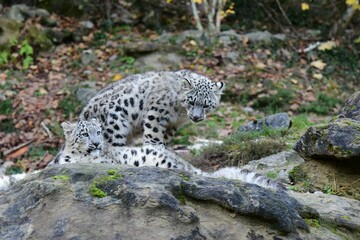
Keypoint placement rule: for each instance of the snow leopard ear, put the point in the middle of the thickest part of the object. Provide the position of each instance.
(68, 127)
(218, 87)
(186, 84)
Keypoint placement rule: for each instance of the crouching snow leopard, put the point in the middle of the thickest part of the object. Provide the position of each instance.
(154, 103)
(84, 144)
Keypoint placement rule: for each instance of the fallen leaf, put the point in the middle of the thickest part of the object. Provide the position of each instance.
(327, 45)
(260, 65)
(294, 81)
(18, 153)
(305, 6)
(317, 76)
(319, 64)
(117, 77)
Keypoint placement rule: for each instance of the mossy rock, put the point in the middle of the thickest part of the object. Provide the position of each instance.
(39, 38)
(351, 107)
(9, 31)
(339, 140)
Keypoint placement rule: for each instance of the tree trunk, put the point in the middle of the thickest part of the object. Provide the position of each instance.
(340, 26)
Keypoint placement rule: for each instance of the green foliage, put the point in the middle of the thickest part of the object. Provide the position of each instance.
(40, 150)
(4, 57)
(70, 105)
(6, 107)
(100, 38)
(7, 126)
(14, 169)
(272, 174)
(275, 103)
(24, 50)
(240, 148)
(323, 105)
(126, 62)
(328, 190)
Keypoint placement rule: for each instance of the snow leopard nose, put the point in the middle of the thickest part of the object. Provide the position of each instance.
(196, 118)
(96, 144)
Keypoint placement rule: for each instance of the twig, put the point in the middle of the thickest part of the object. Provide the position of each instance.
(7, 152)
(46, 129)
(286, 18)
(310, 47)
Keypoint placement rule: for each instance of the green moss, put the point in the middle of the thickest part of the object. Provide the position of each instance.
(297, 174)
(179, 194)
(61, 177)
(346, 217)
(272, 174)
(313, 222)
(96, 186)
(111, 171)
(184, 177)
(96, 192)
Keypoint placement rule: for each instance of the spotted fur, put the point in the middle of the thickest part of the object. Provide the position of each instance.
(79, 148)
(154, 103)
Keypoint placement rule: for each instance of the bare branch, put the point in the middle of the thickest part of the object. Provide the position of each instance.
(196, 16)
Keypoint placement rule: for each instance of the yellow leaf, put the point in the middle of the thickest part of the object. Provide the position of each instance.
(327, 45)
(260, 65)
(117, 77)
(305, 6)
(317, 76)
(198, 1)
(192, 42)
(319, 64)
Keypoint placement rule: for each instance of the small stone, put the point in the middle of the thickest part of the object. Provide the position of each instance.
(87, 24)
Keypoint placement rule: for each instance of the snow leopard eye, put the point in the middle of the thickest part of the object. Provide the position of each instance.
(85, 134)
(98, 132)
(192, 103)
(206, 106)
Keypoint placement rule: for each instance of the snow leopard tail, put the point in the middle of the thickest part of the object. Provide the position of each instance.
(246, 176)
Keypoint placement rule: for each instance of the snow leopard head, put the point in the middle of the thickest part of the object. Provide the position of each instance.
(84, 137)
(201, 95)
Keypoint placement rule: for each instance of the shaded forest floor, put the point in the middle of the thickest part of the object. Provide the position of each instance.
(263, 79)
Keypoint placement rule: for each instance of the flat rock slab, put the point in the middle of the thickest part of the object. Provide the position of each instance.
(138, 202)
(337, 212)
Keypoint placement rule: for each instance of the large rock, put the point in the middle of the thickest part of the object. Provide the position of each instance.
(9, 31)
(158, 61)
(351, 107)
(119, 202)
(339, 139)
(335, 213)
(275, 121)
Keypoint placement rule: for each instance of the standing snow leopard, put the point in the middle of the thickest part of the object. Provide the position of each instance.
(84, 144)
(155, 103)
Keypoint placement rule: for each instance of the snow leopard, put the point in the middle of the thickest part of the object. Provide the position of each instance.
(84, 144)
(154, 103)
